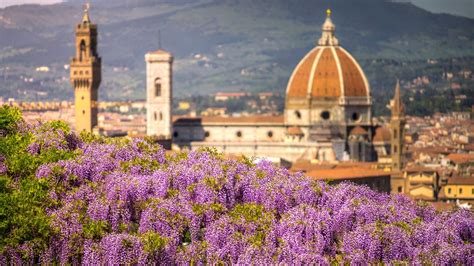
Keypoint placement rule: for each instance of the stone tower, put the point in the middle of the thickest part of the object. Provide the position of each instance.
(397, 125)
(86, 74)
(159, 77)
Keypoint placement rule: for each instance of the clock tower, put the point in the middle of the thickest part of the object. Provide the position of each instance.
(86, 74)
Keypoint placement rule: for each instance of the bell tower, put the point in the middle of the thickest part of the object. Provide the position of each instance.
(397, 125)
(86, 74)
(159, 94)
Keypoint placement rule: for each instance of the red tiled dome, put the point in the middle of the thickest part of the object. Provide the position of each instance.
(328, 71)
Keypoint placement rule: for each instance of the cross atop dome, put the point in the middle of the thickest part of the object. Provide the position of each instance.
(327, 37)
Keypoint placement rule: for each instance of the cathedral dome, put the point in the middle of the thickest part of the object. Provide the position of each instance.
(328, 71)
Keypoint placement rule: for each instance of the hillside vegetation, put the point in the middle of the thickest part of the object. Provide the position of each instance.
(241, 44)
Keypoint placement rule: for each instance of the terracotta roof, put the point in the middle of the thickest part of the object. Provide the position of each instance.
(230, 120)
(346, 173)
(382, 134)
(419, 168)
(295, 131)
(461, 158)
(328, 72)
(358, 130)
(306, 166)
(460, 180)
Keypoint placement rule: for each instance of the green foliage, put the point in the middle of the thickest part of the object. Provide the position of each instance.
(22, 213)
(96, 229)
(251, 212)
(10, 117)
(23, 197)
(58, 125)
(153, 242)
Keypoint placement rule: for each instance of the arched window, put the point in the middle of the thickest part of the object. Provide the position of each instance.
(155, 116)
(161, 116)
(82, 50)
(157, 87)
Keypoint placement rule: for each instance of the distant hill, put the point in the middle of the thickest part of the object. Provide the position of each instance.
(227, 44)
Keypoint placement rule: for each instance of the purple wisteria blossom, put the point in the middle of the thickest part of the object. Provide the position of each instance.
(127, 203)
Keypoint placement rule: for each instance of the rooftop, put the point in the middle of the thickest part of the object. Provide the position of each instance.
(347, 173)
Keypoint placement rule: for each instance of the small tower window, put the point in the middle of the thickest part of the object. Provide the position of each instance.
(239, 134)
(325, 115)
(449, 190)
(83, 112)
(175, 134)
(155, 116)
(395, 134)
(161, 116)
(400, 189)
(460, 191)
(298, 114)
(207, 134)
(157, 87)
(270, 134)
(355, 117)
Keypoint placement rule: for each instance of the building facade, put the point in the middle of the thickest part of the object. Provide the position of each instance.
(327, 114)
(86, 74)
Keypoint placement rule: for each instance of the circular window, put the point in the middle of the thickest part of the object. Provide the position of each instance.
(355, 117)
(325, 115)
(270, 134)
(239, 134)
(207, 134)
(175, 134)
(298, 114)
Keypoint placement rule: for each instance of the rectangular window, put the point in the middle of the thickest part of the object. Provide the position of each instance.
(460, 191)
(395, 135)
(400, 189)
(158, 90)
(449, 190)
(157, 87)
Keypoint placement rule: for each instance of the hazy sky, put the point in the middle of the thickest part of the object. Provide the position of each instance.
(457, 7)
